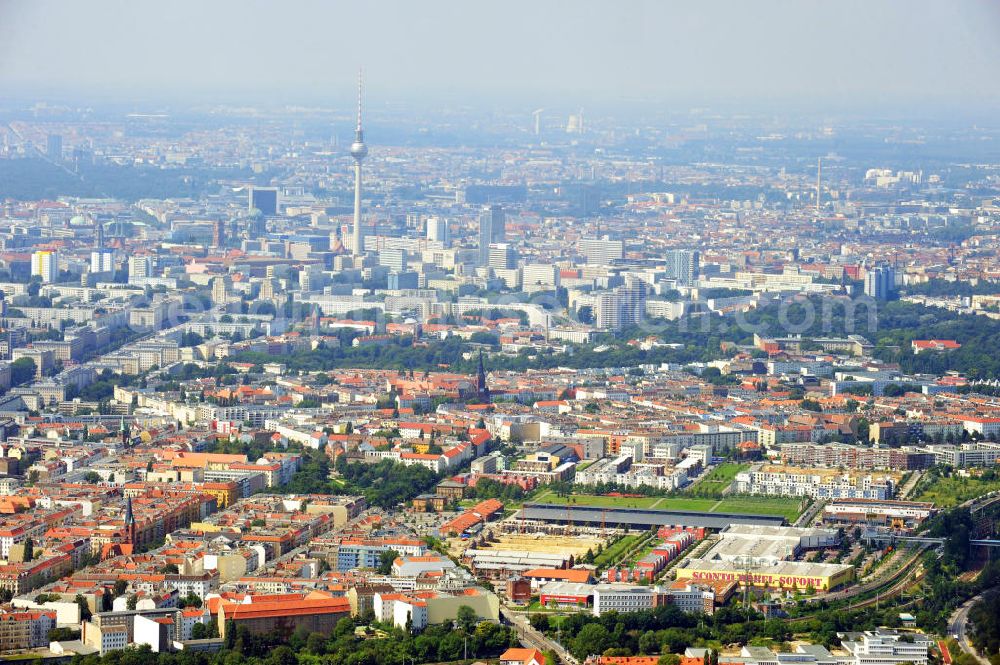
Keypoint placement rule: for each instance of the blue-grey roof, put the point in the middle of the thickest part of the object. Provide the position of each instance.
(641, 517)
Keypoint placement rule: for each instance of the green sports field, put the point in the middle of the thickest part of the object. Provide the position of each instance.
(787, 507)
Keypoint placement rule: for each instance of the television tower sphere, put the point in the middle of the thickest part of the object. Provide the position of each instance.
(359, 150)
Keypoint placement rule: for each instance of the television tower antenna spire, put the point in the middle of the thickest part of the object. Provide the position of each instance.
(358, 151)
(358, 131)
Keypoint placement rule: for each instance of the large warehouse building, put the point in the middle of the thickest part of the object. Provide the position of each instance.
(769, 544)
(764, 556)
(898, 514)
(640, 518)
(780, 575)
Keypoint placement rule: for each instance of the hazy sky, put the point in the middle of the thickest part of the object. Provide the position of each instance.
(946, 51)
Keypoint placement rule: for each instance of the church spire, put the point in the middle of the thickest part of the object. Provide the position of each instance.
(129, 522)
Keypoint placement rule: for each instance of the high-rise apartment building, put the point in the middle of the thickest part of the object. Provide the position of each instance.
(45, 264)
(437, 230)
(502, 256)
(683, 266)
(221, 287)
(600, 251)
(392, 258)
(880, 282)
(311, 277)
(102, 260)
(621, 307)
(492, 229)
(268, 289)
(540, 274)
(139, 268)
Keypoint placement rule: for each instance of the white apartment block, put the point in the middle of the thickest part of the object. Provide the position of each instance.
(624, 598)
(814, 485)
(621, 471)
(886, 647)
(873, 647)
(637, 598)
(988, 427)
(984, 453)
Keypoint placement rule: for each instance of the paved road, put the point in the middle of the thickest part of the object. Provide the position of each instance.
(806, 518)
(532, 638)
(957, 625)
(911, 483)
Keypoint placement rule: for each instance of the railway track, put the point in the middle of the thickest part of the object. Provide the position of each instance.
(902, 580)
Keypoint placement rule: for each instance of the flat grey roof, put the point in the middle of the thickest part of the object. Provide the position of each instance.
(641, 517)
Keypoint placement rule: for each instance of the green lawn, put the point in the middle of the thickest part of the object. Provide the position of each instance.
(686, 503)
(553, 613)
(787, 507)
(717, 480)
(613, 552)
(596, 500)
(556, 620)
(947, 492)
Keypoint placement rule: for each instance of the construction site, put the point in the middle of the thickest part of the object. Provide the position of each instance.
(504, 550)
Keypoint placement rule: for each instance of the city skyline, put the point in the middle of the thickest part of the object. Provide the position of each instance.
(565, 333)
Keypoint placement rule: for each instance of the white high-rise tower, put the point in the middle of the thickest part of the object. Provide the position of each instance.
(358, 151)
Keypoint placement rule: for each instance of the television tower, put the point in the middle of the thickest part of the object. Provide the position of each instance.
(819, 188)
(538, 121)
(358, 151)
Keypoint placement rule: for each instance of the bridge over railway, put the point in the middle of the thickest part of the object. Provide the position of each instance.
(978, 508)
